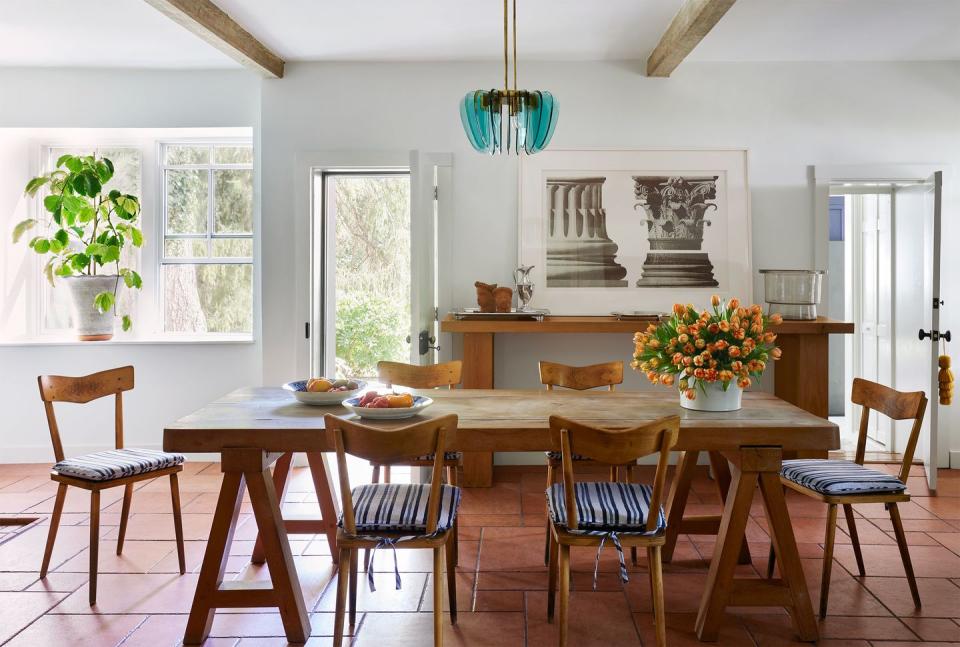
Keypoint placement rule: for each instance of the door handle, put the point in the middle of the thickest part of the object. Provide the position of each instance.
(426, 341)
(934, 335)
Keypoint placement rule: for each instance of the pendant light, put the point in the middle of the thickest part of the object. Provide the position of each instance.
(530, 115)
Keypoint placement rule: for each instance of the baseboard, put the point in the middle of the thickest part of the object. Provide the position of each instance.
(44, 453)
(954, 462)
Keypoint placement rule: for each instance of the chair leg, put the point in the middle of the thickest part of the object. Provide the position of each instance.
(656, 585)
(375, 477)
(453, 480)
(124, 514)
(386, 473)
(564, 567)
(854, 538)
(831, 533)
(552, 569)
(771, 561)
(452, 579)
(904, 552)
(343, 579)
(546, 540)
(94, 543)
(438, 596)
(354, 576)
(177, 521)
(54, 525)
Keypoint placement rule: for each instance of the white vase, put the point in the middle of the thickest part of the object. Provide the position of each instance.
(712, 397)
(88, 322)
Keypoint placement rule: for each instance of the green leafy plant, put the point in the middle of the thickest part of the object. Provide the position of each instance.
(87, 229)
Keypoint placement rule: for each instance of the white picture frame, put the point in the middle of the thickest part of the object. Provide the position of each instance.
(615, 231)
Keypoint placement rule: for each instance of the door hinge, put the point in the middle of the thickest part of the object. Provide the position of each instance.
(436, 193)
(436, 314)
(306, 330)
(937, 302)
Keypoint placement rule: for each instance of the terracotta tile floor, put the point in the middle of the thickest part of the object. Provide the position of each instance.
(501, 580)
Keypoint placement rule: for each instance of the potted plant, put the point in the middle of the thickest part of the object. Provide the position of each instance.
(83, 237)
(710, 356)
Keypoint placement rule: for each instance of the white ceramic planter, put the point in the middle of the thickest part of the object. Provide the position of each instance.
(712, 397)
(88, 323)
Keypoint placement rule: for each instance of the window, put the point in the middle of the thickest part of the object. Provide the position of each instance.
(128, 178)
(206, 261)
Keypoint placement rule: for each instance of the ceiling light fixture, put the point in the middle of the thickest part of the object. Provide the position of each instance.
(531, 115)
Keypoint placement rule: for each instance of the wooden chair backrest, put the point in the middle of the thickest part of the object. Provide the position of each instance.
(581, 378)
(429, 376)
(386, 446)
(614, 447)
(80, 390)
(896, 405)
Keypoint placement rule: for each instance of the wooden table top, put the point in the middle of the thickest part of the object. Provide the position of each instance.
(501, 420)
(608, 324)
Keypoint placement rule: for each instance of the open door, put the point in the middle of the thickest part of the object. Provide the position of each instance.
(429, 176)
(917, 306)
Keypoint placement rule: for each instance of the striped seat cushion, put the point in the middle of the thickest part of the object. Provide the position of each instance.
(447, 456)
(556, 456)
(606, 506)
(839, 477)
(401, 507)
(116, 463)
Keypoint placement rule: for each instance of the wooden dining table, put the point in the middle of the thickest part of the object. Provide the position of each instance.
(252, 427)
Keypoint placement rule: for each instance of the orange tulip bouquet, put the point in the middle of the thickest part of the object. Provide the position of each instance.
(711, 356)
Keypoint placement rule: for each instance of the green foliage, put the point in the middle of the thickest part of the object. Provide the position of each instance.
(367, 331)
(373, 272)
(87, 230)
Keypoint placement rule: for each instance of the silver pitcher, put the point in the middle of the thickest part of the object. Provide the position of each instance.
(521, 277)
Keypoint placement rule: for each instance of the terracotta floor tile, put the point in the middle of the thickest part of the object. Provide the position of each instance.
(848, 596)
(940, 597)
(160, 526)
(167, 631)
(25, 551)
(680, 631)
(931, 629)
(928, 561)
(59, 582)
(386, 598)
(908, 510)
(83, 631)
(943, 507)
(916, 525)
(949, 539)
(499, 499)
(490, 520)
(14, 502)
(137, 557)
(512, 549)
(78, 500)
(512, 580)
(849, 627)
(682, 594)
(778, 631)
(416, 629)
(315, 574)
(134, 593)
(601, 618)
(17, 610)
(16, 581)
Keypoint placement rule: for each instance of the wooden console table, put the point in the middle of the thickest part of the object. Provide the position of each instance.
(800, 377)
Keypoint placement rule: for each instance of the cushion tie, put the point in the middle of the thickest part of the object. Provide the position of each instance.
(384, 542)
(623, 564)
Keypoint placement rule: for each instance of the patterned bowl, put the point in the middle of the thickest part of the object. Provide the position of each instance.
(420, 402)
(322, 398)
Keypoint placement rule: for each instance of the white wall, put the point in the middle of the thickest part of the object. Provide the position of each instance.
(172, 379)
(790, 116)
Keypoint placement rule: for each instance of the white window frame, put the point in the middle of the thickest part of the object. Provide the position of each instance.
(210, 236)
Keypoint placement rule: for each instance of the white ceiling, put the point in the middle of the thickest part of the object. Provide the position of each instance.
(130, 33)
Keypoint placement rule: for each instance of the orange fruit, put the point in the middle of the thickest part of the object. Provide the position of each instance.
(400, 401)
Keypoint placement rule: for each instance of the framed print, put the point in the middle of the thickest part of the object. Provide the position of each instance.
(634, 230)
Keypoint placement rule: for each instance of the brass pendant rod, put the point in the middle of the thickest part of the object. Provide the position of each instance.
(514, 45)
(506, 83)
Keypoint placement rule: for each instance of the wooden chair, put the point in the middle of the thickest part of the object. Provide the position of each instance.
(580, 378)
(843, 483)
(430, 376)
(363, 518)
(639, 529)
(103, 470)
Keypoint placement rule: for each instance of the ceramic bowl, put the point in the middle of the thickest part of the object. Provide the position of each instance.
(322, 398)
(420, 403)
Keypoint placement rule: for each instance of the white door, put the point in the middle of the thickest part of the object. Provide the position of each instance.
(428, 180)
(917, 308)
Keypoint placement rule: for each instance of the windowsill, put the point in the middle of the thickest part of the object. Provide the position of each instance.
(121, 340)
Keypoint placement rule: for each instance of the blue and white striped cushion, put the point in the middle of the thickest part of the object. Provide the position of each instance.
(447, 456)
(606, 506)
(116, 463)
(840, 477)
(401, 507)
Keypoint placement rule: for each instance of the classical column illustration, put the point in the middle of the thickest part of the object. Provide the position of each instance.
(579, 251)
(675, 208)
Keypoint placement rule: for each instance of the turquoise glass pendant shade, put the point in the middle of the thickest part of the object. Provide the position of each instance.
(529, 130)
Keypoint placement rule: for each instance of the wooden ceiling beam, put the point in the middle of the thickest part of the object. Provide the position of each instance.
(212, 24)
(694, 21)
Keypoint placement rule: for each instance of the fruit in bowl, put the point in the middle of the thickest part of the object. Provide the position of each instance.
(324, 385)
(374, 400)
